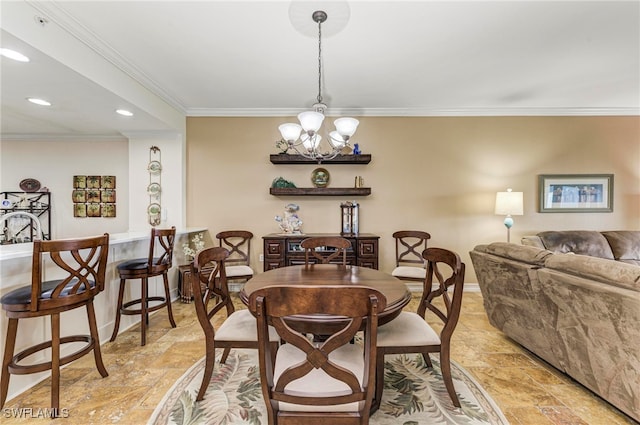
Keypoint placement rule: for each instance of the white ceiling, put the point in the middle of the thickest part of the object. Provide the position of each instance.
(240, 58)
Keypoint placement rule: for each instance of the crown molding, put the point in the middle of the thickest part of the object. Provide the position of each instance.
(61, 137)
(416, 112)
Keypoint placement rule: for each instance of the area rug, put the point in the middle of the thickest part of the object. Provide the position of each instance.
(413, 394)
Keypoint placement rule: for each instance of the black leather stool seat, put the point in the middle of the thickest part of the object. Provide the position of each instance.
(17, 298)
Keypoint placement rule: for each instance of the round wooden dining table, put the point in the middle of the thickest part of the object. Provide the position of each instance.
(396, 292)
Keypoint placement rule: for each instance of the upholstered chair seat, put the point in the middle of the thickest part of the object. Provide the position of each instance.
(408, 328)
(409, 273)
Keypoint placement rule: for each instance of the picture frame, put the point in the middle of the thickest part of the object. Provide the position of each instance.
(575, 193)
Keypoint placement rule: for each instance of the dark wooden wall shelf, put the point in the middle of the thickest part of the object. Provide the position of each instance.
(320, 191)
(285, 158)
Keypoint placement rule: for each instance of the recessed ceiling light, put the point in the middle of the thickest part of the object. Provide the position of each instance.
(37, 101)
(124, 112)
(12, 54)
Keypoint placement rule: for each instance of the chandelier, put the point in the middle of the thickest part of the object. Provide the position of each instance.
(303, 138)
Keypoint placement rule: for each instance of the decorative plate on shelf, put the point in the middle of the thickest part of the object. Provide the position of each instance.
(154, 167)
(154, 189)
(30, 185)
(154, 209)
(320, 177)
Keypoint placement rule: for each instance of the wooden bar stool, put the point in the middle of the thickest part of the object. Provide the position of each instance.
(85, 264)
(143, 269)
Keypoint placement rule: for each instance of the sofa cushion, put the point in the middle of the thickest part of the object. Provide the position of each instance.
(625, 244)
(526, 254)
(583, 242)
(599, 269)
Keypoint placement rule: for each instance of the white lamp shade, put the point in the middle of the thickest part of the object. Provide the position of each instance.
(346, 126)
(509, 203)
(310, 120)
(336, 139)
(290, 131)
(310, 143)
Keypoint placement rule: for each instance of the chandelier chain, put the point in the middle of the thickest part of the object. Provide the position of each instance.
(319, 98)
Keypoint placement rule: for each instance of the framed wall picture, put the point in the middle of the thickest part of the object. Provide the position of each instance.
(576, 192)
(79, 196)
(80, 182)
(80, 210)
(93, 182)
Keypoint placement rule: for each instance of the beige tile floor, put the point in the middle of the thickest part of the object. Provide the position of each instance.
(528, 391)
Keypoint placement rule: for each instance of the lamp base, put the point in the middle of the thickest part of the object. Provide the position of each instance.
(508, 223)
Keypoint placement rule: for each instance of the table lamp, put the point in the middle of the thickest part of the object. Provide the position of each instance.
(509, 203)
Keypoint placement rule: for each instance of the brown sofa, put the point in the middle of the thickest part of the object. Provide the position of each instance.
(573, 299)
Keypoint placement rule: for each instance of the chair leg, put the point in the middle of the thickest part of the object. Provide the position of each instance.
(116, 327)
(144, 314)
(427, 360)
(93, 329)
(55, 363)
(445, 367)
(225, 354)
(208, 369)
(167, 297)
(379, 381)
(12, 331)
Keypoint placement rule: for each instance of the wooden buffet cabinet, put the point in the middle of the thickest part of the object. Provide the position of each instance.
(281, 250)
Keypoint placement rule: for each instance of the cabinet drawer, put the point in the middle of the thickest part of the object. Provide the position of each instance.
(273, 249)
(367, 248)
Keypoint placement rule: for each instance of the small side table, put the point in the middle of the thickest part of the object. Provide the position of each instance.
(185, 288)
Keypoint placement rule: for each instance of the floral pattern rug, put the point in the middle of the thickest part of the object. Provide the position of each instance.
(413, 394)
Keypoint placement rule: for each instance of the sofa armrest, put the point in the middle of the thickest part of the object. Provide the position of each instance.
(523, 253)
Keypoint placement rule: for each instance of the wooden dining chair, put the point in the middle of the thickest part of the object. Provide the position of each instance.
(410, 333)
(82, 264)
(329, 382)
(211, 295)
(325, 249)
(155, 264)
(238, 243)
(409, 262)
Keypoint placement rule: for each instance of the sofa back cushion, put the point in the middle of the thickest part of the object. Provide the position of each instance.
(583, 242)
(625, 244)
(597, 269)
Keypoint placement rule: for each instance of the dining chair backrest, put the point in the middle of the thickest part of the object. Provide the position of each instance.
(162, 241)
(409, 247)
(450, 287)
(238, 243)
(325, 249)
(312, 380)
(210, 289)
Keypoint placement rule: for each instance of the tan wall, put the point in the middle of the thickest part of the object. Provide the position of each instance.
(434, 174)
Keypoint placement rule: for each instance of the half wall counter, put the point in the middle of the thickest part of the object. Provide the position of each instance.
(15, 271)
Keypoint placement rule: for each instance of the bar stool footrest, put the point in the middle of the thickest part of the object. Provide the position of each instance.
(16, 369)
(128, 311)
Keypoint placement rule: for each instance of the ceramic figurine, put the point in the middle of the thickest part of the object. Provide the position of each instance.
(291, 223)
(356, 149)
